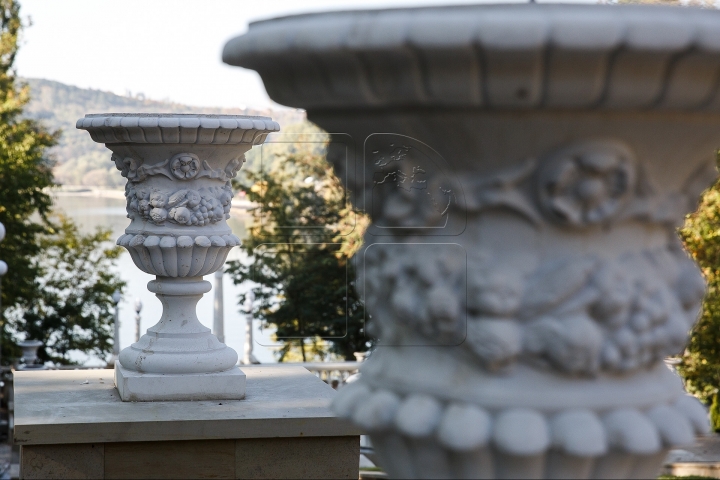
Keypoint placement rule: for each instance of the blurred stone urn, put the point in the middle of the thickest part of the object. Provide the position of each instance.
(525, 168)
(29, 360)
(178, 170)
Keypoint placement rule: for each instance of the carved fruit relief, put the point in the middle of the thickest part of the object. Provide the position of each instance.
(200, 207)
(578, 315)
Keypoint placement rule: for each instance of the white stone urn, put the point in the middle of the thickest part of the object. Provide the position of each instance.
(525, 168)
(178, 170)
(29, 355)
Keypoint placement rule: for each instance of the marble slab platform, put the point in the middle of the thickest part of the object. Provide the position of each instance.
(73, 424)
(83, 406)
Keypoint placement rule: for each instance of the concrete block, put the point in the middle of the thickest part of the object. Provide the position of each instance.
(315, 457)
(76, 461)
(170, 460)
(143, 387)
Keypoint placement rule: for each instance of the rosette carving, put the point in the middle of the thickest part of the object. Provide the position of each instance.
(587, 184)
(185, 166)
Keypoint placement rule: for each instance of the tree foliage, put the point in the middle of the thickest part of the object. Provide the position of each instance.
(56, 288)
(700, 365)
(299, 249)
(24, 172)
(72, 308)
(80, 161)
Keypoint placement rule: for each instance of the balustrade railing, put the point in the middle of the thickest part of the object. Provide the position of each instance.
(335, 374)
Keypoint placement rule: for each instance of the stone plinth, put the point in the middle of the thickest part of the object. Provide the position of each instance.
(73, 424)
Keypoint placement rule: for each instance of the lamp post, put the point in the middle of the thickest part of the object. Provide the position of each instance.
(138, 309)
(248, 357)
(3, 271)
(116, 297)
(219, 320)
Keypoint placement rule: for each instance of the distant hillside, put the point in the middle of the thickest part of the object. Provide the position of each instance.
(80, 161)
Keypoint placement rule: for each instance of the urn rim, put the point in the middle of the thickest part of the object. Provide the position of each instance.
(177, 128)
(490, 57)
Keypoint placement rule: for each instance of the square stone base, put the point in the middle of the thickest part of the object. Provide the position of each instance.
(148, 387)
(284, 428)
(254, 458)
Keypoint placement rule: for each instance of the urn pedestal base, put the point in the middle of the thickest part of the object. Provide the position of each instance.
(147, 387)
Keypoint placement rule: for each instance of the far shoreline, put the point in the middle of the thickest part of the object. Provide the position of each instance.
(240, 207)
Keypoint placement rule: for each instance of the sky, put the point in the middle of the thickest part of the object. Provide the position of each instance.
(164, 49)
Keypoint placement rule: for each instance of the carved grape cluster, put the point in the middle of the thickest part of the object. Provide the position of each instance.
(184, 207)
(435, 316)
(578, 315)
(613, 315)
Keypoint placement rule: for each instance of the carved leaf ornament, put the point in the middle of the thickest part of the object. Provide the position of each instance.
(183, 166)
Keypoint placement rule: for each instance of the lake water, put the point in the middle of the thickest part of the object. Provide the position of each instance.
(91, 211)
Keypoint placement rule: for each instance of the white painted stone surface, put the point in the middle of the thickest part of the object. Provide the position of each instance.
(83, 406)
(525, 168)
(143, 387)
(178, 194)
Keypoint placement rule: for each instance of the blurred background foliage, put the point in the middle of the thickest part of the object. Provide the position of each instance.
(300, 245)
(700, 364)
(59, 283)
(79, 160)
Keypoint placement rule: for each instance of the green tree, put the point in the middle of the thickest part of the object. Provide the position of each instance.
(700, 366)
(40, 250)
(72, 307)
(299, 250)
(24, 172)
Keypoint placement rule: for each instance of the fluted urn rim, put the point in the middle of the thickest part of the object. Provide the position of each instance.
(525, 56)
(175, 128)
